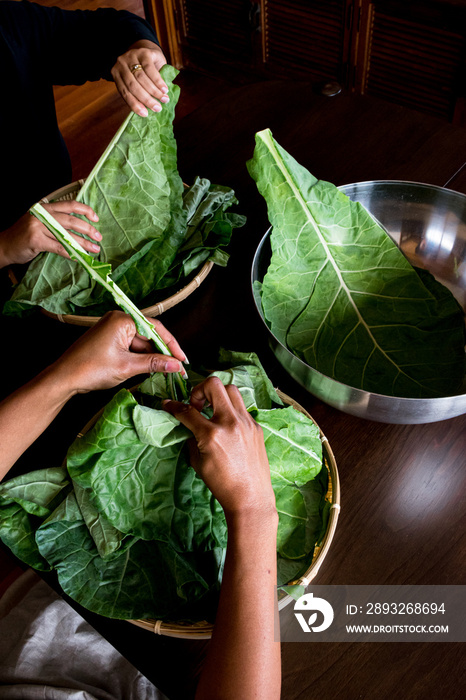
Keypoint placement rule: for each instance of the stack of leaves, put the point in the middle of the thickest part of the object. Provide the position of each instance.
(341, 295)
(130, 528)
(155, 231)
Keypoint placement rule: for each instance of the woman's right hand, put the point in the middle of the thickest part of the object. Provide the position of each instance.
(28, 236)
(228, 452)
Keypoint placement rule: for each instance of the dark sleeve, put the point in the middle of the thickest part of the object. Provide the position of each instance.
(73, 46)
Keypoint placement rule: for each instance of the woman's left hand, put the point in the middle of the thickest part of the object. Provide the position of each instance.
(111, 352)
(137, 76)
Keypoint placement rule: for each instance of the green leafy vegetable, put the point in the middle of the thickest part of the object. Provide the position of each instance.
(25, 502)
(144, 490)
(155, 233)
(143, 580)
(264, 391)
(341, 295)
(209, 229)
(130, 528)
(106, 537)
(290, 432)
(137, 191)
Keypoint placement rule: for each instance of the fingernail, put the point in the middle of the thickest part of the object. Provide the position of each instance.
(95, 247)
(165, 89)
(165, 401)
(186, 361)
(143, 112)
(156, 108)
(165, 99)
(172, 366)
(98, 235)
(95, 217)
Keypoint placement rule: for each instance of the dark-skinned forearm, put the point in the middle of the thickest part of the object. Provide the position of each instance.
(26, 413)
(244, 657)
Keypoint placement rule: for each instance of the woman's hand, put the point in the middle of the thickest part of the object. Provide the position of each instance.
(28, 237)
(103, 357)
(111, 352)
(228, 452)
(137, 77)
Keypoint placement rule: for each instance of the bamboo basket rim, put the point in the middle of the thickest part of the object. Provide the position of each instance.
(204, 629)
(68, 192)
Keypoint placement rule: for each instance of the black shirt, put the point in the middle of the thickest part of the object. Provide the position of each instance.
(41, 47)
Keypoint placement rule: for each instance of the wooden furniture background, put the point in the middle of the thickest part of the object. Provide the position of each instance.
(410, 52)
(403, 487)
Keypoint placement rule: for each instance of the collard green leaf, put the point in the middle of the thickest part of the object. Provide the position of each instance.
(25, 502)
(292, 521)
(36, 492)
(146, 491)
(137, 191)
(264, 391)
(293, 445)
(154, 386)
(294, 591)
(146, 579)
(209, 229)
(107, 538)
(158, 428)
(240, 377)
(341, 295)
(294, 451)
(291, 562)
(149, 492)
(17, 531)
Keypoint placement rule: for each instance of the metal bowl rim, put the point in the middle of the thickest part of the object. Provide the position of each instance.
(404, 182)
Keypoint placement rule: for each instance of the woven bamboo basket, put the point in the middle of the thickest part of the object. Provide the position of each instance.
(69, 192)
(203, 629)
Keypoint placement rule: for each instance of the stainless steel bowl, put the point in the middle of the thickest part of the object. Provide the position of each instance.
(428, 223)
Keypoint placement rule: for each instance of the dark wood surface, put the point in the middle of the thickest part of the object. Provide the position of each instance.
(402, 486)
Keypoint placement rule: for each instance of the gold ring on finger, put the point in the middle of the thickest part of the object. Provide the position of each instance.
(136, 67)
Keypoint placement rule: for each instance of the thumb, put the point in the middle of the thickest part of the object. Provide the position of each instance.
(147, 363)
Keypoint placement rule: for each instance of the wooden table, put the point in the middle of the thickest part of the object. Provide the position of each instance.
(403, 486)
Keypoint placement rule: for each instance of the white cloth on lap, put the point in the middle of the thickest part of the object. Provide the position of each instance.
(49, 652)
